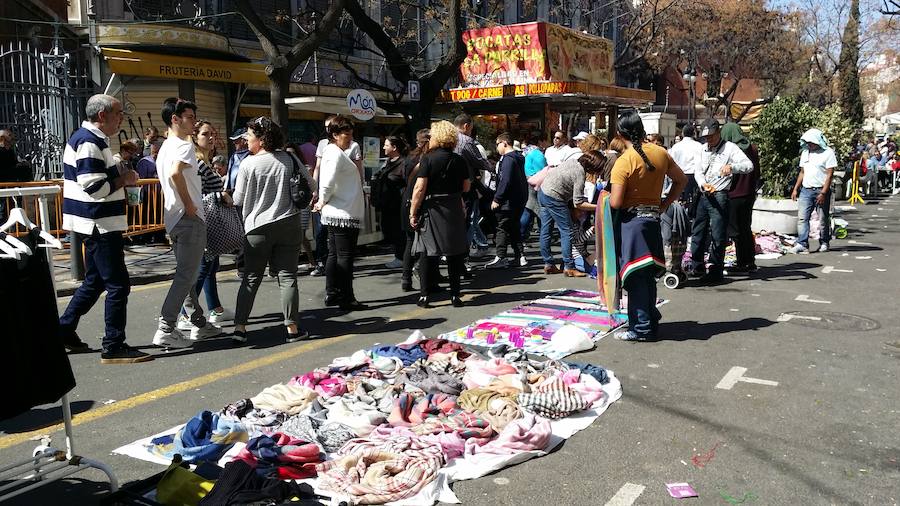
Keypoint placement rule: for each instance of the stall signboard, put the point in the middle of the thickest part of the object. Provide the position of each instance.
(529, 53)
(362, 104)
(371, 151)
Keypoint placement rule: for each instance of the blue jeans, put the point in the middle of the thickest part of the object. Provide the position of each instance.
(473, 232)
(206, 282)
(643, 317)
(525, 224)
(555, 211)
(807, 203)
(710, 228)
(104, 258)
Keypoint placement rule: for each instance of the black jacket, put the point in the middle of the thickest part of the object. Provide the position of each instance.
(512, 186)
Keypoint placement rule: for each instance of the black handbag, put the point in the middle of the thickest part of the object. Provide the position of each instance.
(301, 193)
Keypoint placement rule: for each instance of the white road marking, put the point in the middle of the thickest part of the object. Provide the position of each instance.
(626, 495)
(830, 268)
(501, 481)
(805, 298)
(859, 242)
(881, 270)
(785, 317)
(863, 258)
(736, 375)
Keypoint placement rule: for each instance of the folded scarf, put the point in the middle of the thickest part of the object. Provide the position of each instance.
(290, 399)
(431, 379)
(281, 456)
(262, 421)
(586, 385)
(237, 409)
(524, 434)
(330, 436)
(432, 346)
(408, 411)
(408, 354)
(206, 437)
(323, 383)
(481, 372)
(552, 399)
(497, 408)
(450, 442)
(596, 371)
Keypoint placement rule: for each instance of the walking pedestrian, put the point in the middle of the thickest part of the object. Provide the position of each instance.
(687, 153)
(341, 204)
(813, 189)
(239, 143)
(437, 211)
(467, 147)
(509, 201)
(182, 188)
(740, 201)
(719, 160)
(387, 196)
(636, 184)
(272, 224)
(535, 161)
(94, 210)
(410, 171)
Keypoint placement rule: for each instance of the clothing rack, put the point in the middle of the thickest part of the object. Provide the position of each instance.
(47, 464)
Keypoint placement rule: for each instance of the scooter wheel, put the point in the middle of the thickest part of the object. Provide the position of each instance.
(671, 281)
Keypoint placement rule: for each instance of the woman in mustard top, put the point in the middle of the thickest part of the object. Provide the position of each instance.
(635, 187)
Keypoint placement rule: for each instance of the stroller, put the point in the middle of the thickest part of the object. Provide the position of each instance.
(675, 225)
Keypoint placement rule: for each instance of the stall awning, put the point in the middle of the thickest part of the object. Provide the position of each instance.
(136, 63)
(600, 92)
(317, 108)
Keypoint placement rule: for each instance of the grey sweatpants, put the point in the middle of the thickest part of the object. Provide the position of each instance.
(276, 244)
(188, 240)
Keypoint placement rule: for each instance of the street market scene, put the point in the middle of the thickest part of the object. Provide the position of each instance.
(402, 252)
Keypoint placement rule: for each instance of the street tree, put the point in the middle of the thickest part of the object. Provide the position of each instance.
(848, 68)
(729, 42)
(315, 28)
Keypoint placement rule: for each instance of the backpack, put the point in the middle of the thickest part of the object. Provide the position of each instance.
(301, 193)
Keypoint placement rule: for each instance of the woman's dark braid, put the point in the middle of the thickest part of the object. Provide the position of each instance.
(636, 139)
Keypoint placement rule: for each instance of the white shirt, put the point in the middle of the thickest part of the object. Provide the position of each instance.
(354, 151)
(173, 152)
(340, 190)
(815, 166)
(711, 163)
(686, 154)
(554, 155)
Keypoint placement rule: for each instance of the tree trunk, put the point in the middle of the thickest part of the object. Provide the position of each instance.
(279, 87)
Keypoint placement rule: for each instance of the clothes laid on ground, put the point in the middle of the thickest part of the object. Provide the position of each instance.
(206, 437)
(32, 344)
(240, 484)
(401, 438)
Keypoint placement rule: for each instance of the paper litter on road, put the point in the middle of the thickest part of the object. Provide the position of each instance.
(681, 490)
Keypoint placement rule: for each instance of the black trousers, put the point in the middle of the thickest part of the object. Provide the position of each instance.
(509, 232)
(104, 258)
(740, 215)
(339, 265)
(391, 228)
(428, 270)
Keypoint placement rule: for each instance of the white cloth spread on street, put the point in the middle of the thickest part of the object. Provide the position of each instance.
(687, 154)
(711, 163)
(176, 151)
(340, 190)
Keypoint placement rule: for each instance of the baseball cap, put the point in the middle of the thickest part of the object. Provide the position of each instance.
(582, 135)
(710, 126)
(238, 133)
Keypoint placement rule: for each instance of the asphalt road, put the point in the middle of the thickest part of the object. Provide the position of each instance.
(827, 433)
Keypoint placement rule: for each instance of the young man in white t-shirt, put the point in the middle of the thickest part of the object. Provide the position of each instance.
(813, 189)
(320, 231)
(176, 165)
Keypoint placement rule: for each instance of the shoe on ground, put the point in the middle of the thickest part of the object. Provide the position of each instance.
(239, 336)
(423, 302)
(173, 339)
(301, 335)
(497, 263)
(799, 249)
(406, 286)
(823, 247)
(124, 355)
(574, 273)
(184, 323)
(456, 301)
(552, 269)
(628, 335)
(205, 332)
(478, 252)
(220, 316)
(318, 271)
(74, 344)
(394, 264)
(523, 262)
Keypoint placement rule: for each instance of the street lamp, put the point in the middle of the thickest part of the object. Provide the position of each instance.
(690, 77)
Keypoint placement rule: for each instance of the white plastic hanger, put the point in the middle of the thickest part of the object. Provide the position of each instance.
(7, 250)
(17, 215)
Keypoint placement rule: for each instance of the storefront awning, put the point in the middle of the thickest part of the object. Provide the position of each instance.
(317, 108)
(135, 63)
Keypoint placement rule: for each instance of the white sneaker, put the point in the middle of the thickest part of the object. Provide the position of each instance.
(799, 249)
(205, 332)
(523, 262)
(394, 264)
(173, 339)
(497, 263)
(823, 247)
(184, 323)
(223, 316)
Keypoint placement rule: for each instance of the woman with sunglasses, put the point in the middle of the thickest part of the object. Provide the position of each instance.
(272, 225)
(342, 205)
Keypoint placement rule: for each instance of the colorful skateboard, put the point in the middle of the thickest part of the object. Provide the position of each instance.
(607, 272)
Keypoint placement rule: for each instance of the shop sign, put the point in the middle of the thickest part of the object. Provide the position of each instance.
(135, 63)
(362, 104)
(575, 56)
(500, 55)
(461, 94)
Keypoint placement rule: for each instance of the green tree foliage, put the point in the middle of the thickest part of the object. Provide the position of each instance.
(776, 134)
(851, 101)
(838, 130)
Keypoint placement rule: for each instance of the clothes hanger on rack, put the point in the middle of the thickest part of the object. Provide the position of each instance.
(7, 250)
(21, 247)
(17, 215)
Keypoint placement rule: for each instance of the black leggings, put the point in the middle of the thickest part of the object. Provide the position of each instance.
(339, 266)
(428, 267)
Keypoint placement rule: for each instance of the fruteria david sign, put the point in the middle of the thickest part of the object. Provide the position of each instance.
(362, 104)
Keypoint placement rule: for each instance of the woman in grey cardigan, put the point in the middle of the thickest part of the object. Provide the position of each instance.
(272, 225)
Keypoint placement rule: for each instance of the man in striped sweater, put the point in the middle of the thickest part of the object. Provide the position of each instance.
(94, 210)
